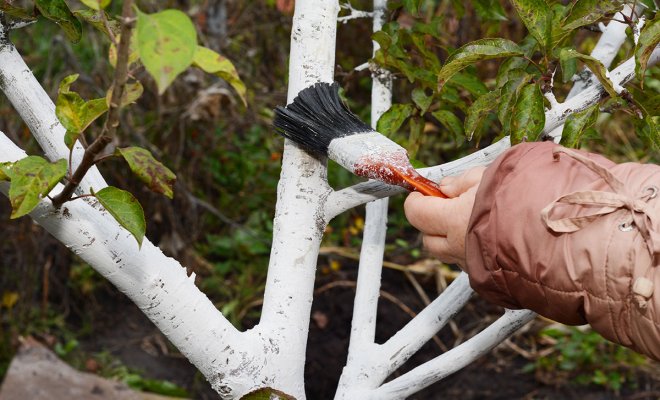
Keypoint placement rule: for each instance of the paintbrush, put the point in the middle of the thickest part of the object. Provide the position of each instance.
(320, 121)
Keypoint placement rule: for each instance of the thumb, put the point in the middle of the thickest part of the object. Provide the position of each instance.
(454, 186)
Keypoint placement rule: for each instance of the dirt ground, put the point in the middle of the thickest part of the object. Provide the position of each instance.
(129, 336)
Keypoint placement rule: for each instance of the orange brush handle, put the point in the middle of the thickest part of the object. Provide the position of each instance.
(423, 185)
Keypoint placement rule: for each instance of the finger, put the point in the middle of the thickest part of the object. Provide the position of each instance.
(441, 248)
(453, 186)
(431, 215)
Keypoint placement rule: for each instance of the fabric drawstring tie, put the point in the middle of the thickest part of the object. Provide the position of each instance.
(609, 202)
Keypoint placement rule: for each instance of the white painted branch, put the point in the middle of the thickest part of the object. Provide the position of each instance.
(363, 325)
(353, 196)
(620, 76)
(354, 14)
(610, 41)
(400, 347)
(453, 360)
(38, 112)
(157, 284)
(299, 220)
(379, 361)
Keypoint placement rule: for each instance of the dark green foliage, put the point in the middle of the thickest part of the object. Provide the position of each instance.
(584, 357)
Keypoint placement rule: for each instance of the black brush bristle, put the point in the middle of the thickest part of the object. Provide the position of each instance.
(316, 117)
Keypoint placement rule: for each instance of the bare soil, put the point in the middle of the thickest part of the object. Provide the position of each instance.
(129, 336)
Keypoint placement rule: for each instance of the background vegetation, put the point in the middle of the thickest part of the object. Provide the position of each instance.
(227, 159)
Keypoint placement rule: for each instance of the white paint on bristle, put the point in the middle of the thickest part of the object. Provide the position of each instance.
(349, 150)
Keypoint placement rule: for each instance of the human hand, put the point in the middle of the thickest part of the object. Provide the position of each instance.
(444, 222)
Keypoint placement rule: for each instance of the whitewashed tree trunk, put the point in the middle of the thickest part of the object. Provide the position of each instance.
(273, 353)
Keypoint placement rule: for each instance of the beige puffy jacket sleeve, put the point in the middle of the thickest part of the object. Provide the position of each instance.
(572, 236)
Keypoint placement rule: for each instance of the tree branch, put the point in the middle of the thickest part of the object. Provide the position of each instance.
(453, 360)
(121, 70)
(88, 161)
(38, 112)
(347, 198)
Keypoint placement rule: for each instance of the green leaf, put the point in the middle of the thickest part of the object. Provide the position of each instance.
(412, 5)
(58, 12)
(509, 98)
(490, 10)
(576, 124)
(96, 4)
(16, 13)
(132, 92)
(568, 67)
(482, 49)
(95, 19)
(450, 121)
(557, 31)
(647, 130)
(382, 38)
(537, 17)
(479, 110)
(594, 65)
(166, 41)
(4, 170)
(32, 178)
(392, 119)
(421, 99)
(150, 171)
(469, 82)
(586, 12)
(213, 63)
(528, 115)
(125, 209)
(74, 113)
(414, 138)
(267, 394)
(513, 67)
(649, 38)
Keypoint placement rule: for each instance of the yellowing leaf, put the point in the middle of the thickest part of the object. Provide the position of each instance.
(167, 42)
(4, 171)
(133, 53)
(213, 63)
(150, 171)
(132, 92)
(74, 113)
(95, 19)
(96, 4)
(32, 178)
(9, 299)
(482, 49)
(125, 209)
